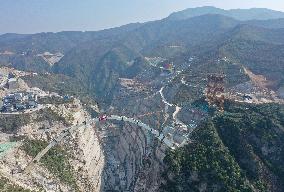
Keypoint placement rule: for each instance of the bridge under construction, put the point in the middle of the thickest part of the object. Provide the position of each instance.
(165, 139)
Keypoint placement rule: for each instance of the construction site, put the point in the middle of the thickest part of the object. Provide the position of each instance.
(122, 143)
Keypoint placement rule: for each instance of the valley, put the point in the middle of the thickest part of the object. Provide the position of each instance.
(192, 102)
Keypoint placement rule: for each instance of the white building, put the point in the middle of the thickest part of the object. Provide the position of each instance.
(13, 83)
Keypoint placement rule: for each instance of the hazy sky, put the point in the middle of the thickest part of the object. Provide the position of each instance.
(30, 16)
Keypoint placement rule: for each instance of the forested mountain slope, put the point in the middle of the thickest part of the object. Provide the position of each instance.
(239, 14)
(240, 150)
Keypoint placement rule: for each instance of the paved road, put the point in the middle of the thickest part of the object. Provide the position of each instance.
(26, 111)
(167, 141)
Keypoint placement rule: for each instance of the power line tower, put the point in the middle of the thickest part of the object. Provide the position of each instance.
(215, 89)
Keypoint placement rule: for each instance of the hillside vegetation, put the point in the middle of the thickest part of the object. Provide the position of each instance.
(240, 150)
(56, 161)
(96, 60)
(5, 186)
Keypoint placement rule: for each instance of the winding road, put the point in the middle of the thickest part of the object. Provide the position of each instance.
(167, 105)
(167, 140)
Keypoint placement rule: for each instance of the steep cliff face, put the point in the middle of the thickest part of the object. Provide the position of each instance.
(133, 164)
(76, 164)
(114, 156)
(87, 158)
(134, 157)
(107, 156)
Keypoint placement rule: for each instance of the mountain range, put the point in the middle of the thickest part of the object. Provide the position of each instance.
(239, 14)
(92, 56)
(238, 150)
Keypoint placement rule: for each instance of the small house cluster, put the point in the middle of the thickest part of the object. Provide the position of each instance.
(18, 101)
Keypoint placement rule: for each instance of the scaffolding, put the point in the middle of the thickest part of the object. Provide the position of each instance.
(215, 91)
